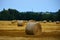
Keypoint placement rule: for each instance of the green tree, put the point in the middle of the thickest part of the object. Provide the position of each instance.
(58, 15)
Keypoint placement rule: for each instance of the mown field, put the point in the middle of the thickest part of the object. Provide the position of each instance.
(9, 31)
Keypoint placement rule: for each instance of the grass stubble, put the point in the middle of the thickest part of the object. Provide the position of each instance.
(17, 34)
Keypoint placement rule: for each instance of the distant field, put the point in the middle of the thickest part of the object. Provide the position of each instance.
(9, 31)
(7, 25)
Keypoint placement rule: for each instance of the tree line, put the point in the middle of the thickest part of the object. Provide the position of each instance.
(13, 14)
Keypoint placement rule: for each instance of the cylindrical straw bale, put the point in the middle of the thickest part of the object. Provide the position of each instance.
(33, 28)
(20, 23)
(57, 22)
(44, 21)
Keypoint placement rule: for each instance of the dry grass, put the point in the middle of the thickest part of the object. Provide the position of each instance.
(8, 31)
(48, 27)
(20, 35)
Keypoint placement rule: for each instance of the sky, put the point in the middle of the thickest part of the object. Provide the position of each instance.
(31, 5)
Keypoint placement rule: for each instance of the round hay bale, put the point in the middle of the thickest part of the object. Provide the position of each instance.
(57, 22)
(31, 20)
(25, 21)
(50, 21)
(13, 21)
(44, 21)
(20, 22)
(33, 28)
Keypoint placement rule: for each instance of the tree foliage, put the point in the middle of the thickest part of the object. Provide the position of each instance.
(13, 14)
